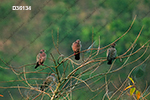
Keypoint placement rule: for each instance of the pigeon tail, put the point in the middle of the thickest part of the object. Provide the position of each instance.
(109, 62)
(37, 64)
(42, 88)
(77, 56)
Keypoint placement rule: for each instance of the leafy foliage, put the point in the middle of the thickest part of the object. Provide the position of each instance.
(133, 89)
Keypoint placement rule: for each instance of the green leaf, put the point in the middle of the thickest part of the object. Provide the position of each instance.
(132, 90)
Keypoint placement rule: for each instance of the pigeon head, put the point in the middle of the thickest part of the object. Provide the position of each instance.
(42, 51)
(113, 44)
(53, 74)
(78, 41)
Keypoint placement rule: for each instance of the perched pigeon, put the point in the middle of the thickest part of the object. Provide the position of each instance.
(76, 47)
(40, 58)
(30, 94)
(50, 80)
(111, 53)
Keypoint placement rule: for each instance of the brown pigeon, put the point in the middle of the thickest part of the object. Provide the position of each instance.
(50, 80)
(40, 58)
(111, 53)
(76, 47)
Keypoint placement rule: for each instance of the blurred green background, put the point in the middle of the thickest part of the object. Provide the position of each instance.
(24, 32)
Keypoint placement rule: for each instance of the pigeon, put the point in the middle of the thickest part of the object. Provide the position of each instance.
(111, 53)
(30, 94)
(76, 47)
(40, 58)
(50, 80)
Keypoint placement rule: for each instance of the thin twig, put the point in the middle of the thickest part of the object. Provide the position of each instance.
(10, 95)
